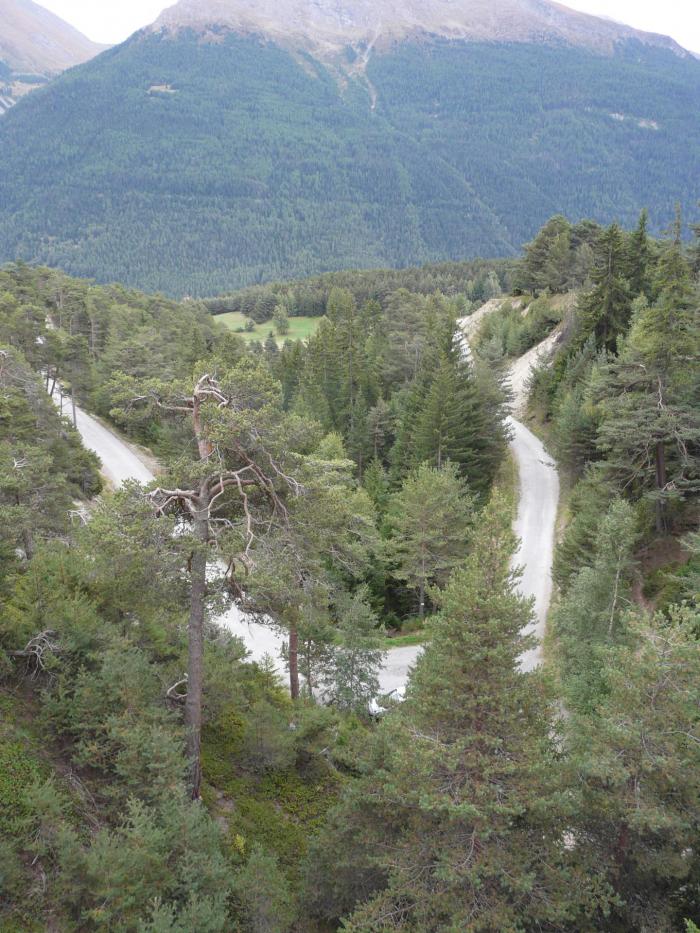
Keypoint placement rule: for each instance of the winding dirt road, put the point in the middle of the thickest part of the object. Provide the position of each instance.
(535, 523)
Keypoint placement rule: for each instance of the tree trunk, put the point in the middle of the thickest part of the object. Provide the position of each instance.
(195, 673)
(204, 446)
(294, 662)
(75, 415)
(622, 846)
(660, 485)
(421, 599)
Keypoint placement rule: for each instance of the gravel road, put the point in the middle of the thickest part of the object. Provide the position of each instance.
(539, 496)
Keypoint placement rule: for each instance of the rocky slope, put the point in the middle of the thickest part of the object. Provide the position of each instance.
(35, 45)
(331, 25)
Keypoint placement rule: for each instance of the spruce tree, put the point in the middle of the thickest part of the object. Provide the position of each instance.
(651, 426)
(435, 425)
(459, 810)
(461, 420)
(430, 519)
(638, 269)
(591, 615)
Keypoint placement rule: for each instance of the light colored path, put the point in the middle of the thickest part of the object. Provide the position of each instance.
(539, 496)
(119, 462)
(539, 488)
(534, 526)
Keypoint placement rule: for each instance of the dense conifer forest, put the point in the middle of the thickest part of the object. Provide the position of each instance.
(353, 490)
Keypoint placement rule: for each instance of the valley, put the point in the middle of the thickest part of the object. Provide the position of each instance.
(349, 470)
(170, 641)
(534, 527)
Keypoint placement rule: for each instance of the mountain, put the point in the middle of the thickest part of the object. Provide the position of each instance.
(34, 45)
(235, 142)
(328, 26)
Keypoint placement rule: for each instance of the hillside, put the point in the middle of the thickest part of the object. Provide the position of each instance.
(34, 45)
(197, 158)
(327, 28)
(353, 485)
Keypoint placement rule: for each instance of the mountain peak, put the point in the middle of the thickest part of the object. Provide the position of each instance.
(35, 41)
(331, 25)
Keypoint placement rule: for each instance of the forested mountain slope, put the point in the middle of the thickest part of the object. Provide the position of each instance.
(197, 158)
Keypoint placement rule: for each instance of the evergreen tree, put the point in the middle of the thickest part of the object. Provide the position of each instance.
(638, 270)
(606, 310)
(379, 425)
(430, 518)
(434, 435)
(458, 809)
(461, 420)
(260, 886)
(281, 320)
(376, 485)
(637, 758)
(349, 679)
(545, 265)
(592, 613)
(651, 426)
(270, 347)
(328, 541)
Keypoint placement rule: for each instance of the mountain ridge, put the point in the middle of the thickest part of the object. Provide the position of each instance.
(36, 45)
(35, 40)
(327, 27)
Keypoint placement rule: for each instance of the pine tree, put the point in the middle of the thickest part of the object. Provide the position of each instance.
(458, 810)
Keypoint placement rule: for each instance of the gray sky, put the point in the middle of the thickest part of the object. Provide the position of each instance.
(112, 21)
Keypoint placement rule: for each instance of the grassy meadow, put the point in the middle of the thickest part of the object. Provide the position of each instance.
(300, 328)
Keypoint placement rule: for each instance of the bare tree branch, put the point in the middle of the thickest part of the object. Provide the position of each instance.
(36, 650)
(173, 695)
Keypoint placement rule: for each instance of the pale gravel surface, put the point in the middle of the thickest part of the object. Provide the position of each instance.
(539, 489)
(539, 496)
(119, 461)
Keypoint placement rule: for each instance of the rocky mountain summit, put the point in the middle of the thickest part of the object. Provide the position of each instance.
(330, 26)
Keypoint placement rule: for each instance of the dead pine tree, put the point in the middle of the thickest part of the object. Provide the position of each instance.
(233, 494)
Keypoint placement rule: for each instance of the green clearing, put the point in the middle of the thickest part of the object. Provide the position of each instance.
(405, 641)
(300, 328)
